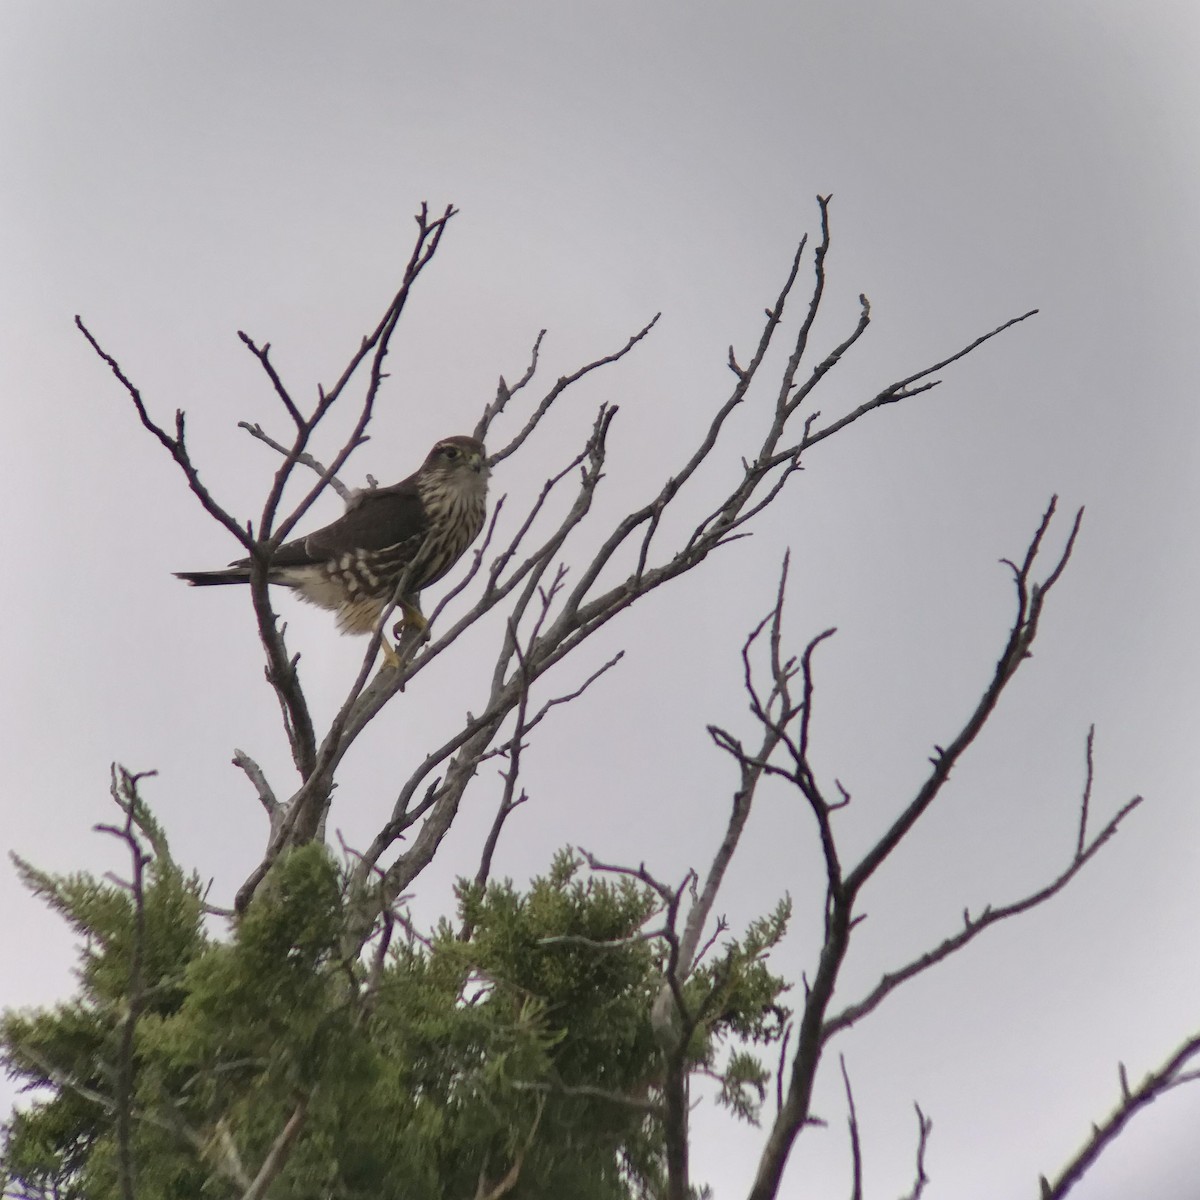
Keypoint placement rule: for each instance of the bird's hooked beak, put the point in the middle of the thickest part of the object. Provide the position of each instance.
(479, 464)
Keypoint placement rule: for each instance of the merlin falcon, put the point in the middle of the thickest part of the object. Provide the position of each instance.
(408, 534)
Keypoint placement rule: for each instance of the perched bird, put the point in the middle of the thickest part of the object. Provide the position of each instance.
(416, 529)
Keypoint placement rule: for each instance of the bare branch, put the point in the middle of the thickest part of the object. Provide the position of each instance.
(578, 939)
(902, 389)
(473, 741)
(281, 668)
(266, 796)
(224, 1150)
(855, 1145)
(123, 790)
(779, 1072)
(806, 780)
(974, 926)
(509, 800)
(1159, 1081)
(263, 354)
(751, 770)
(782, 408)
(376, 344)
(1081, 841)
(175, 446)
(553, 394)
(840, 918)
(567, 697)
(924, 1129)
(304, 459)
(305, 812)
(513, 1175)
(1030, 598)
(279, 1152)
(504, 393)
(587, 1090)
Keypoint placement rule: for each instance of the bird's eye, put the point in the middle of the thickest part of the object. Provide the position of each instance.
(451, 452)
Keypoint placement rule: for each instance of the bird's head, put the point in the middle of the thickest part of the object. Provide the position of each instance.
(456, 472)
(457, 457)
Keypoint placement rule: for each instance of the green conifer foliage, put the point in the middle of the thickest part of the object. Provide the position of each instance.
(511, 1044)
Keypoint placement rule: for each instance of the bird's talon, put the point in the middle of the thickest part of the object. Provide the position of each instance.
(414, 618)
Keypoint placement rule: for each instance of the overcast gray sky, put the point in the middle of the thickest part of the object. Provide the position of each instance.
(176, 172)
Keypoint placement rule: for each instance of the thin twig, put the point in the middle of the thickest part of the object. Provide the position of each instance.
(559, 387)
(924, 1129)
(973, 926)
(175, 445)
(304, 458)
(1170, 1074)
(855, 1143)
(279, 1152)
(124, 791)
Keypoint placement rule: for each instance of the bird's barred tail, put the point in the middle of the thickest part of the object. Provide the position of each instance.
(212, 578)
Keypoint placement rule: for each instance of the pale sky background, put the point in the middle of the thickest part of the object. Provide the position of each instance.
(177, 172)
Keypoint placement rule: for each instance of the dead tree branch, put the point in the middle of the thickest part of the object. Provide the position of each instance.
(279, 1152)
(305, 459)
(924, 1129)
(843, 887)
(124, 791)
(1031, 597)
(973, 926)
(1171, 1074)
(518, 440)
(272, 531)
(855, 1143)
(175, 445)
(504, 393)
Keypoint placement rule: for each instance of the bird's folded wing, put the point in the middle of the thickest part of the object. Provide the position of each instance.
(380, 518)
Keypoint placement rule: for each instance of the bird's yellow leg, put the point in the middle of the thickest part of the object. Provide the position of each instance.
(413, 621)
(414, 618)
